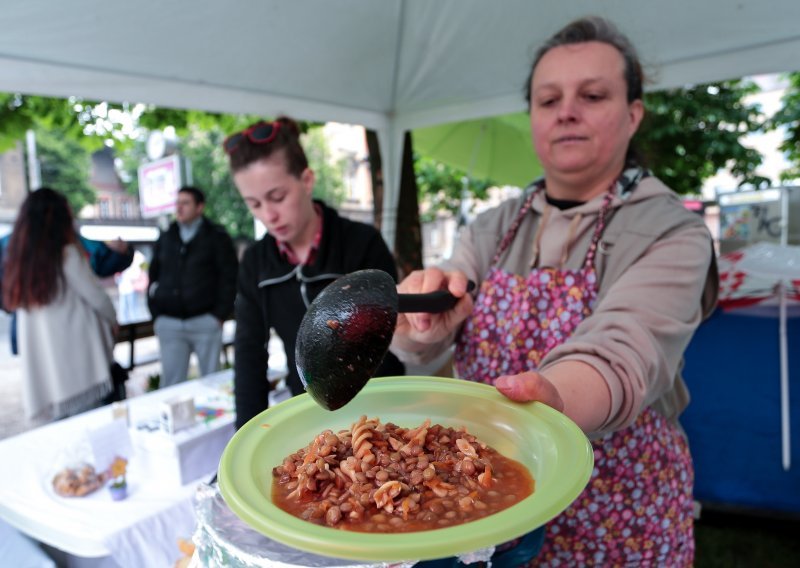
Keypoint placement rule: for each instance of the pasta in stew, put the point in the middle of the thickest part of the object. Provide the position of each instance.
(378, 477)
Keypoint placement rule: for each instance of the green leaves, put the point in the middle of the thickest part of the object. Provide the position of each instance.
(788, 118)
(68, 130)
(442, 187)
(65, 165)
(689, 134)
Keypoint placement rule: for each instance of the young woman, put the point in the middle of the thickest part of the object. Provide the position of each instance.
(66, 319)
(306, 247)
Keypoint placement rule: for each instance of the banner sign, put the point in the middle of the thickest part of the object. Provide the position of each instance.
(159, 182)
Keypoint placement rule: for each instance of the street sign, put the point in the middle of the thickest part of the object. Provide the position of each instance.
(159, 182)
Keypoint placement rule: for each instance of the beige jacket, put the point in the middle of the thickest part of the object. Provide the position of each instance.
(657, 282)
(66, 346)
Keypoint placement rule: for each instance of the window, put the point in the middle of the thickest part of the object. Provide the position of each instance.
(127, 209)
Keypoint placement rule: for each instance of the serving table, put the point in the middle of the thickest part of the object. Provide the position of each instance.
(142, 530)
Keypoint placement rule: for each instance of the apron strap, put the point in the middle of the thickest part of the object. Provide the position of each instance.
(526, 207)
(512, 230)
(599, 228)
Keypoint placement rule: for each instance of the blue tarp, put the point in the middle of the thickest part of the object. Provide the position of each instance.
(734, 419)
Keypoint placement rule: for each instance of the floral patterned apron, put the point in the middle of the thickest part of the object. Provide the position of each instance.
(637, 508)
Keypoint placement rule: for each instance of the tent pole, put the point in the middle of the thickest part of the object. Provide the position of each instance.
(785, 430)
(391, 145)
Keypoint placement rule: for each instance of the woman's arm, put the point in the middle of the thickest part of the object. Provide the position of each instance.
(251, 384)
(626, 354)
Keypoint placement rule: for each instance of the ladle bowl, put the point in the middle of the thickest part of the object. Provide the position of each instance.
(347, 330)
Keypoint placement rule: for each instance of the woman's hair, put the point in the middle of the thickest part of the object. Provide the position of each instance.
(287, 141)
(34, 272)
(594, 28)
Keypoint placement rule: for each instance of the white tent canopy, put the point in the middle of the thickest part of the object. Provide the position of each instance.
(390, 65)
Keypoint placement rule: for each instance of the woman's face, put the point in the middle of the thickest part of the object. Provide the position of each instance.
(581, 120)
(281, 201)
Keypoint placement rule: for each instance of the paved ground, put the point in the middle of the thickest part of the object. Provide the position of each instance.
(11, 421)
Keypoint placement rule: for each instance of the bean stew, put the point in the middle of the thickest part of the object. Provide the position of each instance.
(378, 477)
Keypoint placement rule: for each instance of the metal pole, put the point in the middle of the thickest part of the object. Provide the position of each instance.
(783, 344)
(187, 171)
(784, 216)
(34, 168)
(786, 437)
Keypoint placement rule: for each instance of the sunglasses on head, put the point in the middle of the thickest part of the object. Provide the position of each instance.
(259, 133)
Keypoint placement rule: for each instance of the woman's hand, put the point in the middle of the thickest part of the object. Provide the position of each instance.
(119, 246)
(414, 331)
(573, 387)
(530, 386)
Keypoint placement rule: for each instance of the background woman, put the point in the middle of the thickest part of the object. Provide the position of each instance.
(66, 319)
(591, 285)
(306, 247)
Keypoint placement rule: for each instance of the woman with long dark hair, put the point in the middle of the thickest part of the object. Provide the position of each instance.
(66, 320)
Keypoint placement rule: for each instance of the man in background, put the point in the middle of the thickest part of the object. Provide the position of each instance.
(192, 287)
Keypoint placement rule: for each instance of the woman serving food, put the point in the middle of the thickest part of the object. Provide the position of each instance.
(591, 286)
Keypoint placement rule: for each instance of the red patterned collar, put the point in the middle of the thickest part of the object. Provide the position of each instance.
(285, 249)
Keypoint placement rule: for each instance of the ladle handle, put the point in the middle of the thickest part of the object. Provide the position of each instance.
(432, 302)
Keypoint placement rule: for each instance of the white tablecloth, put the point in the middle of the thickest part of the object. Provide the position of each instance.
(142, 530)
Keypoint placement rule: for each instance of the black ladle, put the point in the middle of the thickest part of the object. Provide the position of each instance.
(346, 332)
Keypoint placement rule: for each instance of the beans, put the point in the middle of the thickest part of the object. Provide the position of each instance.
(426, 516)
(399, 479)
(333, 516)
(436, 507)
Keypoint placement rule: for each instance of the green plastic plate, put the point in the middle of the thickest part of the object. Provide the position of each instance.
(552, 447)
